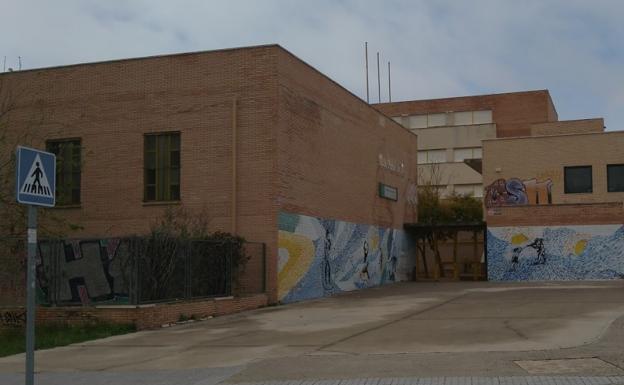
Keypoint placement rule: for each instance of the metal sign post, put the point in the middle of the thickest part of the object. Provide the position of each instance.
(35, 186)
(30, 294)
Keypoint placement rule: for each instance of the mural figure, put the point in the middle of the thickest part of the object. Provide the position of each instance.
(515, 258)
(327, 275)
(364, 273)
(514, 191)
(537, 245)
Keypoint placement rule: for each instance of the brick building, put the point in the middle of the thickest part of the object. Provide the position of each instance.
(253, 139)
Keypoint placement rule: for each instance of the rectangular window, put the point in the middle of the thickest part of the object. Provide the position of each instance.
(431, 156)
(162, 167)
(482, 117)
(459, 154)
(615, 177)
(474, 190)
(577, 179)
(463, 118)
(418, 121)
(68, 165)
(436, 120)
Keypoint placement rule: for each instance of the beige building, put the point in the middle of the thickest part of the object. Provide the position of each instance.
(554, 205)
(451, 130)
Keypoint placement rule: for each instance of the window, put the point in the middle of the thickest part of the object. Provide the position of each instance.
(162, 167)
(418, 121)
(474, 190)
(459, 154)
(431, 156)
(434, 120)
(68, 165)
(577, 179)
(482, 117)
(463, 118)
(615, 177)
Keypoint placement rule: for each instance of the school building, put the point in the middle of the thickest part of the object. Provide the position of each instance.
(451, 130)
(256, 141)
(553, 206)
(512, 151)
(260, 144)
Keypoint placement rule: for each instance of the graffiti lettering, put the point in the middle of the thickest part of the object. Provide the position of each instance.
(13, 318)
(514, 192)
(84, 271)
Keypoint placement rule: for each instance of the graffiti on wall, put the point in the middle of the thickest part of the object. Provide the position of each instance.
(82, 271)
(514, 191)
(13, 318)
(555, 253)
(320, 257)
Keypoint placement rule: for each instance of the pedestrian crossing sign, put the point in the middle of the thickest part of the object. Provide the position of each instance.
(36, 177)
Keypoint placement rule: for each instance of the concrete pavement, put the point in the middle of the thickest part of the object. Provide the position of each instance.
(437, 331)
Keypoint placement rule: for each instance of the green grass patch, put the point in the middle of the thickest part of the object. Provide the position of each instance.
(13, 341)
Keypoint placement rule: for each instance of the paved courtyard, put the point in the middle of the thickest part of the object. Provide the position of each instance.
(426, 333)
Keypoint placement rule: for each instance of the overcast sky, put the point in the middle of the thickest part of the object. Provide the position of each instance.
(438, 48)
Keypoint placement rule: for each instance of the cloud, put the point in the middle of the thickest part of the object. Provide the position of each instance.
(438, 48)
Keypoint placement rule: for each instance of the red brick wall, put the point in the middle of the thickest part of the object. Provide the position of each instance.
(556, 215)
(144, 317)
(111, 105)
(329, 146)
(326, 154)
(512, 112)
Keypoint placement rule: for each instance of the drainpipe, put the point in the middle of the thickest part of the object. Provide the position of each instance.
(234, 165)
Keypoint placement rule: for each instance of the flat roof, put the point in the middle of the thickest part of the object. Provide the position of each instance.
(467, 97)
(619, 132)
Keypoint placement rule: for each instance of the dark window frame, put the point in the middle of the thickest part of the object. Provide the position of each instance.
(591, 179)
(162, 166)
(609, 179)
(68, 175)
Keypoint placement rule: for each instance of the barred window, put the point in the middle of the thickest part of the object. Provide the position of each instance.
(68, 165)
(162, 167)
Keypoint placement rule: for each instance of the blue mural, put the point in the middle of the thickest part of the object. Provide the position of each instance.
(320, 257)
(555, 253)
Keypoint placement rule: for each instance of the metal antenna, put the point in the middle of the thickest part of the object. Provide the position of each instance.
(366, 59)
(378, 80)
(389, 85)
(4, 64)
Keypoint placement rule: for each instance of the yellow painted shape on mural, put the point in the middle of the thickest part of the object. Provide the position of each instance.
(374, 242)
(580, 246)
(300, 255)
(518, 239)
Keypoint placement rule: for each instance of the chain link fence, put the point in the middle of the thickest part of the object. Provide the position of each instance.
(131, 270)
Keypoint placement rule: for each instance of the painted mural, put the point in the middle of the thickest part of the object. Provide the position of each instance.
(514, 191)
(320, 257)
(539, 253)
